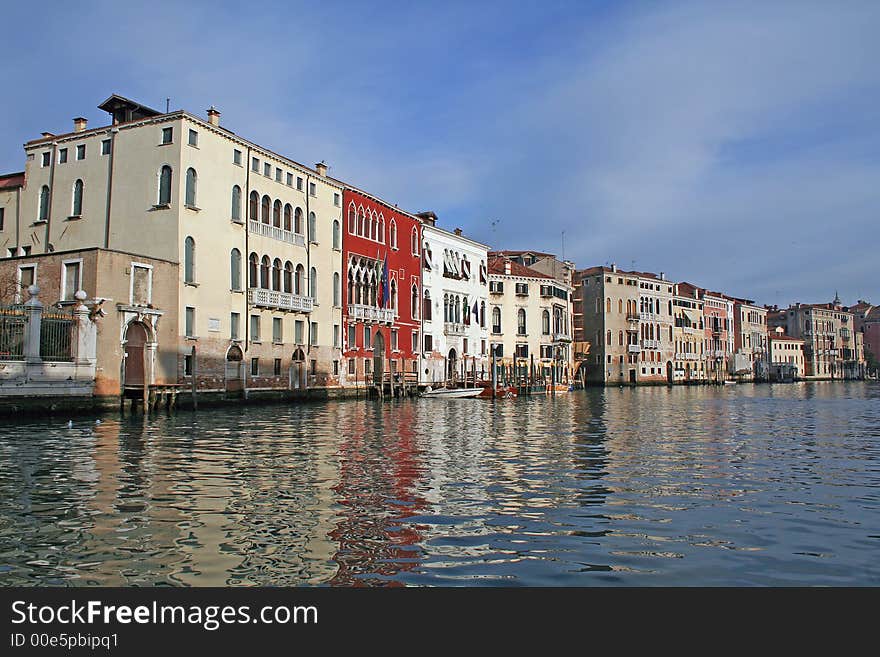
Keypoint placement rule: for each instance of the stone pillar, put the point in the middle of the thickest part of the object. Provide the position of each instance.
(34, 310)
(86, 332)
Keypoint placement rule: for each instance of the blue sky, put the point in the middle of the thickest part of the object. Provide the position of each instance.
(735, 145)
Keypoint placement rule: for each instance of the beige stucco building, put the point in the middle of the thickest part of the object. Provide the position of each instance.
(253, 240)
(689, 335)
(785, 355)
(529, 318)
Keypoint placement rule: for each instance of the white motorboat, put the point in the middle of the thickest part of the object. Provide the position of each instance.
(451, 393)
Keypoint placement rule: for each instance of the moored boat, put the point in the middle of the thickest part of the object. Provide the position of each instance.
(451, 393)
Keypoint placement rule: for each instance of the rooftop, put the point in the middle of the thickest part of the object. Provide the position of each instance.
(497, 265)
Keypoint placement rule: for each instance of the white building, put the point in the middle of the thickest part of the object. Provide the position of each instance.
(455, 289)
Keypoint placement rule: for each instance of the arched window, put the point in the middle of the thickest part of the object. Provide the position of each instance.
(445, 307)
(426, 310)
(382, 229)
(288, 277)
(374, 227)
(77, 198)
(276, 214)
(620, 305)
(414, 241)
(545, 322)
(254, 207)
(236, 203)
(165, 185)
(521, 321)
(298, 280)
(189, 259)
(483, 314)
(313, 284)
(496, 320)
(264, 209)
(608, 305)
(288, 217)
(252, 270)
(620, 338)
(336, 236)
(235, 270)
(335, 288)
(608, 338)
(313, 227)
(298, 221)
(350, 292)
(392, 235)
(276, 275)
(44, 203)
(456, 306)
(191, 187)
(360, 224)
(414, 302)
(352, 220)
(264, 272)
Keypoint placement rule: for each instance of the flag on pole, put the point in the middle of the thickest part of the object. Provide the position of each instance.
(385, 292)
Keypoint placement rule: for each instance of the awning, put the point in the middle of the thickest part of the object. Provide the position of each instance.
(693, 315)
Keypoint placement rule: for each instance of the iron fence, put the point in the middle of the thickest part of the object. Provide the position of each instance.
(56, 333)
(13, 327)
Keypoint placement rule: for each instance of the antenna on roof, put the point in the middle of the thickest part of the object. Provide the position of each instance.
(494, 224)
(563, 245)
(167, 105)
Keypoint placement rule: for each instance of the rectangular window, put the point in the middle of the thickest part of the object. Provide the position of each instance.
(141, 284)
(267, 169)
(105, 147)
(236, 156)
(167, 135)
(313, 367)
(188, 365)
(71, 280)
(312, 189)
(277, 329)
(496, 287)
(299, 183)
(522, 289)
(298, 332)
(62, 156)
(393, 339)
(233, 325)
(352, 336)
(193, 138)
(276, 369)
(522, 351)
(46, 159)
(255, 366)
(368, 338)
(336, 335)
(190, 322)
(351, 365)
(255, 328)
(289, 179)
(429, 344)
(394, 366)
(314, 334)
(368, 365)
(27, 276)
(336, 200)
(255, 164)
(81, 152)
(483, 347)
(415, 342)
(335, 368)
(278, 174)
(2, 217)
(464, 345)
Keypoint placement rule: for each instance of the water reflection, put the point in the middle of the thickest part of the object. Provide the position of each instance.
(733, 485)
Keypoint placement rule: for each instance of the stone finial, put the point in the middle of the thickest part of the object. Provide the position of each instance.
(33, 290)
(80, 295)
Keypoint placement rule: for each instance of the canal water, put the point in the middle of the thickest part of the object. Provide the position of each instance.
(731, 485)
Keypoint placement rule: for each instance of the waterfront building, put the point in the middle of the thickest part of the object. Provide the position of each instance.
(244, 245)
(455, 291)
(749, 360)
(866, 318)
(529, 318)
(718, 332)
(689, 335)
(382, 291)
(785, 356)
(628, 316)
(832, 348)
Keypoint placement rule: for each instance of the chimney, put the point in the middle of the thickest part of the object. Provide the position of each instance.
(321, 168)
(662, 276)
(46, 135)
(507, 267)
(79, 124)
(457, 231)
(614, 267)
(213, 115)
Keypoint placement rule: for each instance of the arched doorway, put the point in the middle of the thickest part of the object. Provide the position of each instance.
(687, 371)
(234, 378)
(298, 370)
(451, 365)
(378, 358)
(670, 377)
(135, 341)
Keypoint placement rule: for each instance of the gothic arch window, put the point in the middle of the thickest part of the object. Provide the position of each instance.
(392, 234)
(235, 269)
(236, 203)
(426, 310)
(264, 272)
(414, 241)
(352, 219)
(189, 260)
(191, 187)
(414, 301)
(164, 185)
(336, 288)
(545, 322)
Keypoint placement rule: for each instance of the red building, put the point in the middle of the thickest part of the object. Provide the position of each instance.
(382, 258)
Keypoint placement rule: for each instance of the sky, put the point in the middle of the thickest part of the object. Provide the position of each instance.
(732, 145)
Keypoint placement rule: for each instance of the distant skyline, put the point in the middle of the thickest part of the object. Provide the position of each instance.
(732, 146)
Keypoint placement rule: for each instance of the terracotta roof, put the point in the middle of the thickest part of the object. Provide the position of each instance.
(777, 336)
(497, 266)
(11, 180)
(516, 253)
(589, 271)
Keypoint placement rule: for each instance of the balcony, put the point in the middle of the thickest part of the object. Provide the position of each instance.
(275, 233)
(632, 317)
(833, 352)
(633, 348)
(561, 337)
(650, 344)
(649, 317)
(682, 356)
(454, 328)
(718, 353)
(261, 298)
(360, 312)
(692, 330)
